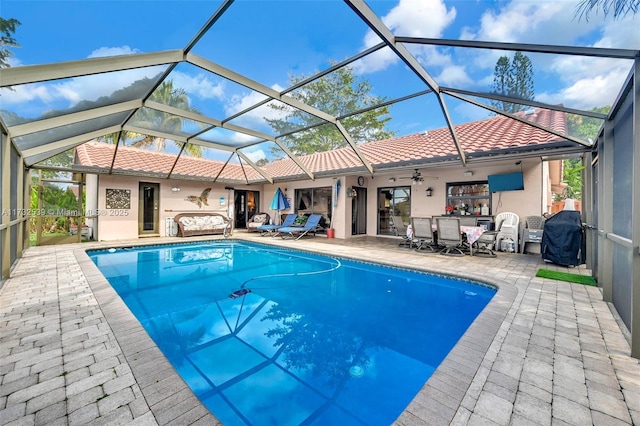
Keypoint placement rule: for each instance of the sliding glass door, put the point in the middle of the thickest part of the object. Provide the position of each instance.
(393, 201)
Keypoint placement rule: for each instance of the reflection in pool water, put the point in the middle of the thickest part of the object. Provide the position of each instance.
(311, 340)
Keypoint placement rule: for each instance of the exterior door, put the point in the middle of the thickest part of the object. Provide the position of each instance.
(149, 209)
(359, 212)
(394, 201)
(246, 205)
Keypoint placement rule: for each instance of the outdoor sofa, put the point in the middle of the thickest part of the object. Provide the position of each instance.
(205, 223)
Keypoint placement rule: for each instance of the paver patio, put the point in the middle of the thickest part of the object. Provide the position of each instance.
(543, 351)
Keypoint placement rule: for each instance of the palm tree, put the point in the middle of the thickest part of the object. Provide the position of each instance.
(150, 118)
(619, 8)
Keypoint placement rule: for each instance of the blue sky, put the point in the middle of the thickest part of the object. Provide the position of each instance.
(270, 40)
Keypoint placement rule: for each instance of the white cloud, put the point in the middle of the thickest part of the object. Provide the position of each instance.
(242, 139)
(621, 34)
(255, 155)
(102, 52)
(542, 22)
(92, 87)
(67, 93)
(410, 18)
(243, 101)
(584, 82)
(256, 117)
(454, 76)
(14, 62)
(471, 112)
(198, 85)
(588, 92)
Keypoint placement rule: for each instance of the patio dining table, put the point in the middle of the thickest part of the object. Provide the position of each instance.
(472, 233)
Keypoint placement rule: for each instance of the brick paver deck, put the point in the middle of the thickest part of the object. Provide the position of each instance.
(543, 352)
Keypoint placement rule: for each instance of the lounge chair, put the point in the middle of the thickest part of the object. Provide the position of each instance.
(297, 232)
(272, 229)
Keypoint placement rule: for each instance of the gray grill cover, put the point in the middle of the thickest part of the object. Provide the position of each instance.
(563, 239)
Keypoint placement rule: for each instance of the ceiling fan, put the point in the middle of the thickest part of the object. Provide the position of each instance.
(418, 178)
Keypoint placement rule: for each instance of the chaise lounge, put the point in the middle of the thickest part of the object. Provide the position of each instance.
(311, 226)
(272, 229)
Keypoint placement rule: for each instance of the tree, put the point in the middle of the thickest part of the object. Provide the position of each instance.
(572, 176)
(7, 28)
(514, 79)
(619, 8)
(501, 81)
(149, 118)
(338, 93)
(586, 128)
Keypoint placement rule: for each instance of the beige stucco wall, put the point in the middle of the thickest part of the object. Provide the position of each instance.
(339, 219)
(125, 225)
(531, 201)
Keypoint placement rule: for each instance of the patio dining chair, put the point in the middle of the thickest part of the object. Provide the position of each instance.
(483, 246)
(450, 236)
(531, 230)
(490, 240)
(423, 237)
(400, 230)
(467, 220)
(507, 224)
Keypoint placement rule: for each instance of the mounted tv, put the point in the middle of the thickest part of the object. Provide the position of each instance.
(506, 182)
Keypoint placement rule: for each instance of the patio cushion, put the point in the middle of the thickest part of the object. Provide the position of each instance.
(259, 218)
(201, 222)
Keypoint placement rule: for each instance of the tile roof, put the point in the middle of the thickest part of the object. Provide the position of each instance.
(129, 159)
(495, 135)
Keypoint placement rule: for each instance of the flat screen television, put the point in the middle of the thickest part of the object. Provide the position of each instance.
(506, 182)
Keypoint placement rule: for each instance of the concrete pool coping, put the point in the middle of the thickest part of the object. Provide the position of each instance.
(505, 368)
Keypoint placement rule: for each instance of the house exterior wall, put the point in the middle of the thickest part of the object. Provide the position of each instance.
(125, 226)
(529, 202)
(289, 189)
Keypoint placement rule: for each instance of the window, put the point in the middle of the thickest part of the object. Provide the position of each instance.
(469, 198)
(315, 201)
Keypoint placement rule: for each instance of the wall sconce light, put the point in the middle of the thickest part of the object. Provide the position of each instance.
(175, 189)
(351, 192)
(392, 179)
(429, 191)
(468, 173)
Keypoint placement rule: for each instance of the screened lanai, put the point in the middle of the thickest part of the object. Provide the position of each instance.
(234, 82)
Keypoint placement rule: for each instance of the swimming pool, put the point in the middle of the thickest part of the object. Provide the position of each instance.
(266, 335)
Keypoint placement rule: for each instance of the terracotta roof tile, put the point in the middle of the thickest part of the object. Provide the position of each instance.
(477, 138)
(100, 154)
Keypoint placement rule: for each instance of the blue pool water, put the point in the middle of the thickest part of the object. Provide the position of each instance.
(275, 336)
